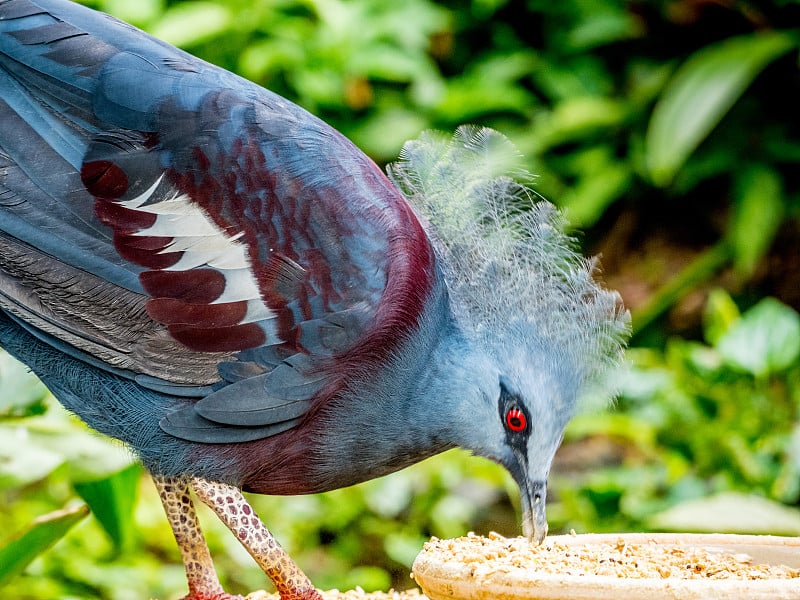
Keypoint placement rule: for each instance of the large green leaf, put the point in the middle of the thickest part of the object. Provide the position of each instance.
(700, 93)
(112, 501)
(765, 340)
(758, 212)
(45, 531)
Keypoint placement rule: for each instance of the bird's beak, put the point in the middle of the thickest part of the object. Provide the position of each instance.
(534, 518)
(533, 489)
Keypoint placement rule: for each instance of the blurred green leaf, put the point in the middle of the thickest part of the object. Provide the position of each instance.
(602, 182)
(138, 13)
(45, 531)
(403, 547)
(190, 23)
(765, 340)
(719, 315)
(615, 424)
(101, 470)
(787, 483)
(700, 93)
(730, 512)
(489, 86)
(694, 274)
(384, 133)
(702, 360)
(450, 514)
(577, 118)
(603, 27)
(757, 214)
(21, 392)
(22, 459)
(88, 454)
(369, 578)
(112, 501)
(261, 58)
(388, 62)
(389, 496)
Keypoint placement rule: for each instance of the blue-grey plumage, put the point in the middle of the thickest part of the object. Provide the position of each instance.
(202, 269)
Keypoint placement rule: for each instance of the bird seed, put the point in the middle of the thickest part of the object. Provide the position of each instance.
(485, 557)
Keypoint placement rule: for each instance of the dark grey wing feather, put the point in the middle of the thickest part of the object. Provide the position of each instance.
(188, 425)
(283, 394)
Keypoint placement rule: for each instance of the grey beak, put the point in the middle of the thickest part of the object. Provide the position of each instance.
(534, 518)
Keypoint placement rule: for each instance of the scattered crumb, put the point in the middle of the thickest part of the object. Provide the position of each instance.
(356, 594)
(485, 556)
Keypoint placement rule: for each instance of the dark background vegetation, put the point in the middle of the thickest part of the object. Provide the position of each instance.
(668, 132)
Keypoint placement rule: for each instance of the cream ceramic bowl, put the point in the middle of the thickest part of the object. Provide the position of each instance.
(472, 579)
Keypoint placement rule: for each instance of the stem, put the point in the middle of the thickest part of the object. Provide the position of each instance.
(699, 270)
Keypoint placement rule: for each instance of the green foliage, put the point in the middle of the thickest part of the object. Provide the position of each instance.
(696, 420)
(39, 445)
(700, 93)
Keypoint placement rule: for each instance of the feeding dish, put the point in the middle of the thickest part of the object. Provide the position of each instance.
(646, 566)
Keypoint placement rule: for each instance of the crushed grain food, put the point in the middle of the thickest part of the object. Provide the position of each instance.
(356, 594)
(487, 556)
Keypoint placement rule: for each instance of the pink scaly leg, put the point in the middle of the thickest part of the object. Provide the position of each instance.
(232, 508)
(200, 574)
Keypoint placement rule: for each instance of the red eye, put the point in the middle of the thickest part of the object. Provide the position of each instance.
(516, 421)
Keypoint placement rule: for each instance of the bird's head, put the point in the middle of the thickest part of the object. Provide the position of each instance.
(540, 333)
(516, 413)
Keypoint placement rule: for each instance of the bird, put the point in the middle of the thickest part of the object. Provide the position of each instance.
(205, 271)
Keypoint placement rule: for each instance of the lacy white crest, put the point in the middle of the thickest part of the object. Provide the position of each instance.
(508, 263)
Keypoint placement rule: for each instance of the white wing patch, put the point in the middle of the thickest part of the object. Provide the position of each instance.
(202, 244)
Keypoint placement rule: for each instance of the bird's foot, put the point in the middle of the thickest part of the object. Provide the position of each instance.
(212, 596)
(307, 594)
(312, 594)
(200, 574)
(260, 595)
(231, 507)
(233, 510)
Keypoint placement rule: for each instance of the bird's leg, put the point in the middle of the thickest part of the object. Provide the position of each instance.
(200, 574)
(232, 508)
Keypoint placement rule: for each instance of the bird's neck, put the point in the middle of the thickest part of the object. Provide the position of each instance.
(405, 412)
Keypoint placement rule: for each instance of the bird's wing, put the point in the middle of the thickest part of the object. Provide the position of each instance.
(168, 221)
